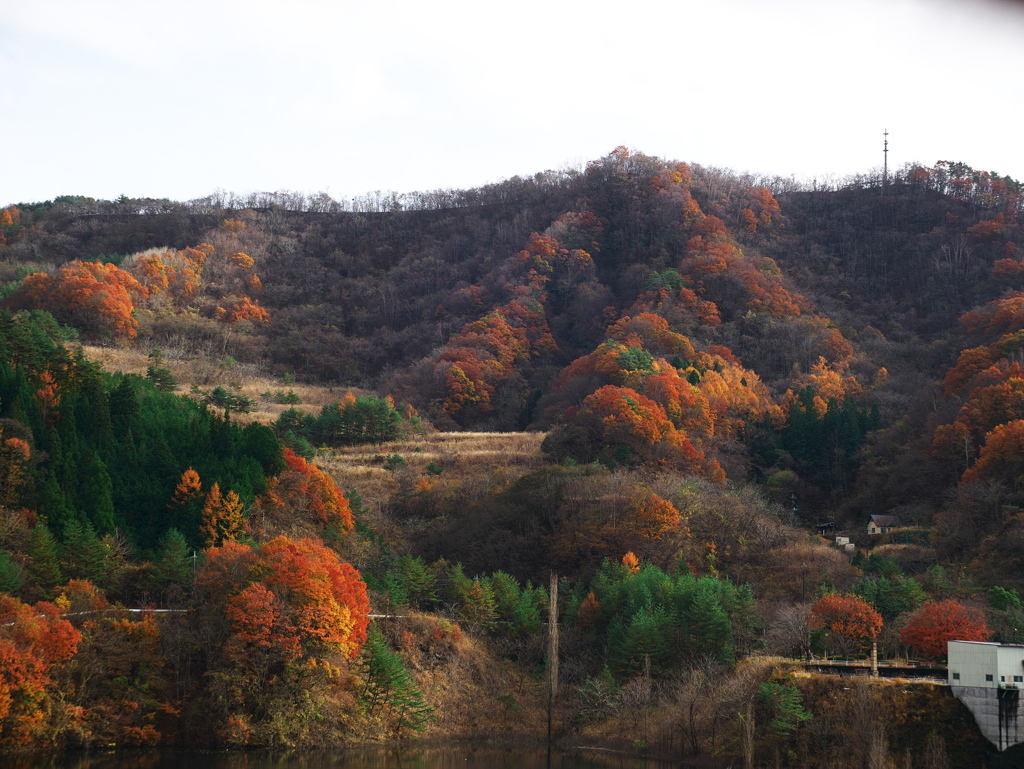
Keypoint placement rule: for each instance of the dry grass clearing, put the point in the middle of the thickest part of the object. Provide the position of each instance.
(458, 455)
(208, 373)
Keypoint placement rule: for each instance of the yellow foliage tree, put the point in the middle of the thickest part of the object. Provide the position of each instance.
(222, 520)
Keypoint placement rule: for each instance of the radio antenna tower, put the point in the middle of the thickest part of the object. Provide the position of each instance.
(885, 161)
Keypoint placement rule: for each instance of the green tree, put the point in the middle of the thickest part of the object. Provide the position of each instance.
(409, 582)
(389, 689)
(11, 578)
(174, 564)
(96, 494)
(83, 555)
(162, 378)
(1003, 599)
(43, 561)
(784, 706)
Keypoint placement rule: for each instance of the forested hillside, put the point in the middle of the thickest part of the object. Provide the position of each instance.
(722, 368)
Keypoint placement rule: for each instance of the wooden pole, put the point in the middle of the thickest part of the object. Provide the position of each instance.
(647, 699)
(552, 651)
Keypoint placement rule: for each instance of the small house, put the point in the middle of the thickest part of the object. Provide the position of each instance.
(881, 524)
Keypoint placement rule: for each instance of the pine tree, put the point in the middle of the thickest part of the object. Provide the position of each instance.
(96, 494)
(11, 578)
(43, 565)
(161, 377)
(174, 565)
(82, 556)
(389, 688)
(478, 604)
(124, 408)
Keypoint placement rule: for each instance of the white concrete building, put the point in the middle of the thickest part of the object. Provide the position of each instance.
(988, 665)
(988, 678)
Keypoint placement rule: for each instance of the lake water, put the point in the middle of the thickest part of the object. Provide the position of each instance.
(355, 758)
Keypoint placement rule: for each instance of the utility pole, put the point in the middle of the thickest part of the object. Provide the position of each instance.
(552, 653)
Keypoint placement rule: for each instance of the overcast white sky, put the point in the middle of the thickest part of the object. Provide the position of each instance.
(178, 99)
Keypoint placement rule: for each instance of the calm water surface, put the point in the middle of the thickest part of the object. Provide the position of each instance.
(356, 758)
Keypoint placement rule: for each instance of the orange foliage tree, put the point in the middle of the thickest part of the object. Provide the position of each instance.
(321, 599)
(328, 598)
(629, 423)
(99, 299)
(188, 488)
(491, 352)
(630, 519)
(937, 622)
(172, 278)
(1002, 456)
(736, 282)
(33, 640)
(215, 279)
(244, 308)
(617, 425)
(302, 496)
(652, 516)
(295, 614)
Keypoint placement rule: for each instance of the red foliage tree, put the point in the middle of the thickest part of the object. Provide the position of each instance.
(1000, 316)
(296, 615)
(969, 365)
(14, 460)
(937, 622)
(848, 616)
(259, 624)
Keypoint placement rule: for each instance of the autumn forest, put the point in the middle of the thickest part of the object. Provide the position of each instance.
(683, 391)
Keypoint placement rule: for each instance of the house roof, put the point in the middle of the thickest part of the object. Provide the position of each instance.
(884, 520)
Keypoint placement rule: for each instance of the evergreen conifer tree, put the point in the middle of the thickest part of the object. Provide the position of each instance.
(43, 564)
(82, 556)
(96, 494)
(11, 578)
(174, 565)
(390, 689)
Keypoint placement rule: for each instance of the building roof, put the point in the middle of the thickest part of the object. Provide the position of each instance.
(987, 643)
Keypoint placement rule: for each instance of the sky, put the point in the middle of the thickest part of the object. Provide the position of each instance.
(179, 99)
